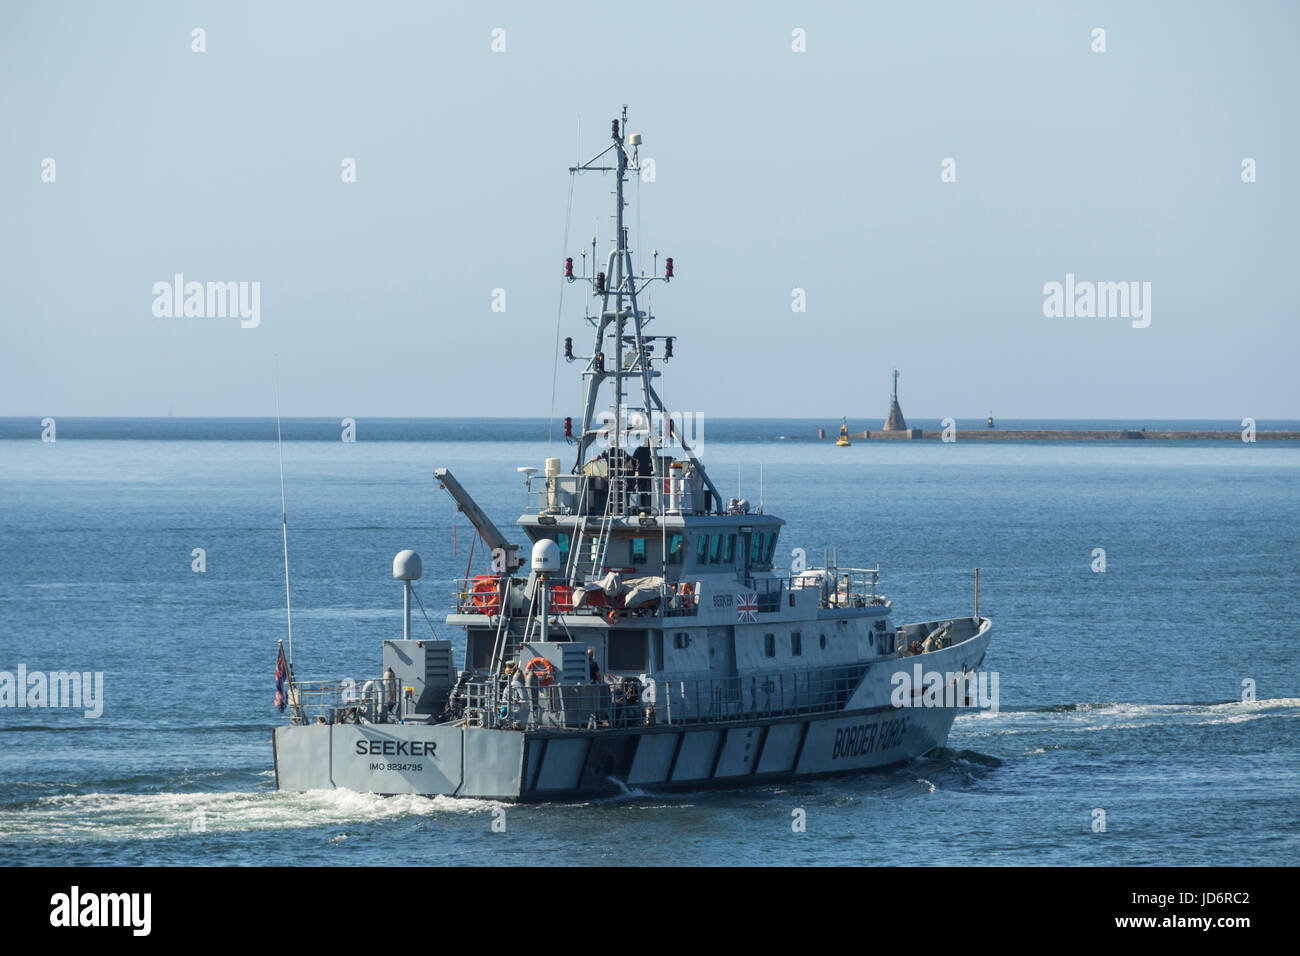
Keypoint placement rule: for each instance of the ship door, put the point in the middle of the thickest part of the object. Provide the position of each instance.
(724, 685)
(722, 652)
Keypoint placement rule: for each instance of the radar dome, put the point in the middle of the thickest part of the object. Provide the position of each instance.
(407, 567)
(546, 556)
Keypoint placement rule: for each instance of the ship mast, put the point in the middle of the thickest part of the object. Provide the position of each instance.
(618, 288)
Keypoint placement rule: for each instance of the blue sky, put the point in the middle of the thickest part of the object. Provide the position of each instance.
(775, 170)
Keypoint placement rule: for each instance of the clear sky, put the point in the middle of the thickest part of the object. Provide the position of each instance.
(774, 170)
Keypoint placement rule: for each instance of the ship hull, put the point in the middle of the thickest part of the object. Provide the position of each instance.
(530, 766)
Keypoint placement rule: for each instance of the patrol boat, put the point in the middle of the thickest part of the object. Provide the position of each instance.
(651, 642)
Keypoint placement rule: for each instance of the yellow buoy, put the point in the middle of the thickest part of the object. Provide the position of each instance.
(843, 440)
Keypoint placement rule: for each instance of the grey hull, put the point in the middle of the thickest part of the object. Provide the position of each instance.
(517, 765)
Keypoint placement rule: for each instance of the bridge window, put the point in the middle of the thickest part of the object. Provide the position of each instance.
(702, 549)
(761, 546)
(728, 548)
(715, 548)
(638, 550)
(796, 644)
(676, 545)
(769, 645)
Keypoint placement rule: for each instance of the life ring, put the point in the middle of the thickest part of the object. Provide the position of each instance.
(613, 617)
(547, 671)
(486, 593)
(688, 594)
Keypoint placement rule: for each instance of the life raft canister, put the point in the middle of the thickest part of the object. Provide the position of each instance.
(540, 669)
(486, 593)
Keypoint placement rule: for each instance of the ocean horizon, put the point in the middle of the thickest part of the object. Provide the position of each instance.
(515, 429)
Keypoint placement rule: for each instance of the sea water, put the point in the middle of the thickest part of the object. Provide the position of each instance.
(1148, 712)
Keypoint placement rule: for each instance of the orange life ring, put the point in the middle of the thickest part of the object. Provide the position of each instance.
(547, 671)
(688, 593)
(486, 593)
(613, 617)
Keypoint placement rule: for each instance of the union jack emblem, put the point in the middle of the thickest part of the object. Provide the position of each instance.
(747, 607)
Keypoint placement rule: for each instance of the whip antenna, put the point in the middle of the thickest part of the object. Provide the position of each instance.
(284, 518)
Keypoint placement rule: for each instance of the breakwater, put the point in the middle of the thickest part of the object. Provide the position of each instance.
(1043, 434)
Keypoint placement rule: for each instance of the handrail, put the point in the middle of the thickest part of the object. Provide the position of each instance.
(662, 490)
(346, 701)
(646, 701)
(852, 587)
(680, 599)
(840, 587)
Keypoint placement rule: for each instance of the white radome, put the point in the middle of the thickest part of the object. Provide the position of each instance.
(546, 556)
(407, 566)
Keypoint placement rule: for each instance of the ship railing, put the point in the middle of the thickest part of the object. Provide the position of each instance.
(768, 592)
(587, 494)
(558, 494)
(840, 587)
(482, 594)
(374, 700)
(681, 598)
(592, 493)
(620, 702)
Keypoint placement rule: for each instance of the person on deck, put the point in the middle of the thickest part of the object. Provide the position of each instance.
(643, 468)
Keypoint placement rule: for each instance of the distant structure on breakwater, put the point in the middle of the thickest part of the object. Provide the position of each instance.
(1064, 434)
(895, 423)
(896, 428)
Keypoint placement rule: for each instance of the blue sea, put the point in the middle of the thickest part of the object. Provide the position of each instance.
(1160, 696)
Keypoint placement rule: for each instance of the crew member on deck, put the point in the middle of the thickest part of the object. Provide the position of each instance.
(643, 468)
